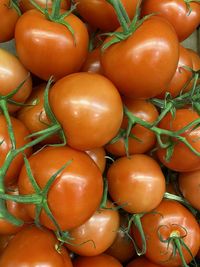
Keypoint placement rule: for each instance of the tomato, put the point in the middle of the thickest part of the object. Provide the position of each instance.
(16, 209)
(34, 247)
(92, 63)
(47, 48)
(169, 219)
(195, 66)
(96, 234)
(20, 132)
(142, 262)
(145, 139)
(101, 14)
(76, 193)
(12, 73)
(102, 260)
(137, 66)
(99, 157)
(26, 5)
(183, 159)
(4, 240)
(9, 17)
(189, 184)
(181, 76)
(90, 109)
(177, 13)
(34, 116)
(136, 182)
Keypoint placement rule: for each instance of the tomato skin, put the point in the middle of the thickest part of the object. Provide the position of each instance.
(183, 159)
(20, 132)
(168, 218)
(176, 12)
(137, 66)
(39, 247)
(90, 109)
(99, 157)
(9, 17)
(12, 73)
(37, 36)
(145, 111)
(101, 228)
(101, 260)
(142, 262)
(4, 240)
(34, 117)
(80, 186)
(195, 66)
(189, 186)
(93, 63)
(129, 179)
(100, 14)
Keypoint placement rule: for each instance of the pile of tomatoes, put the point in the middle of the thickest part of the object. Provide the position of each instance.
(99, 134)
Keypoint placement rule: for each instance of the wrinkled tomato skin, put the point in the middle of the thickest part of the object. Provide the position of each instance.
(76, 193)
(189, 184)
(12, 74)
(99, 157)
(129, 179)
(90, 109)
(142, 66)
(9, 17)
(20, 132)
(34, 116)
(142, 262)
(169, 218)
(177, 13)
(38, 245)
(101, 228)
(25, 5)
(55, 50)
(147, 139)
(100, 14)
(93, 63)
(183, 159)
(101, 260)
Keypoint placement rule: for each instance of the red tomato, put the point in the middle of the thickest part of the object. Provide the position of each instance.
(92, 63)
(142, 262)
(97, 234)
(9, 17)
(137, 66)
(79, 186)
(102, 260)
(195, 66)
(4, 240)
(34, 117)
(101, 14)
(12, 73)
(99, 157)
(147, 139)
(20, 132)
(183, 159)
(189, 184)
(133, 177)
(34, 247)
(169, 219)
(47, 48)
(90, 109)
(177, 13)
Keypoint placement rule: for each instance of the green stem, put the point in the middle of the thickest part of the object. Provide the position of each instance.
(178, 245)
(25, 199)
(56, 9)
(137, 222)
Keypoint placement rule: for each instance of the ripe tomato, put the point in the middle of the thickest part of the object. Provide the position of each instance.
(142, 262)
(137, 66)
(147, 139)
(101, 14)
(99, 157)
(131, 178)
(195, 66)
(92, 63)
(12, 73)
(20, 132)
(102, 260)
(177, 13)
(26, 5)
(183, 159)
(34, 247)
(34, 117)
(96, 234)
(76, 193)
(47, 48)
(9, 17)
(90, 109)
(4, 240)
(189, 184)
(169, 219)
